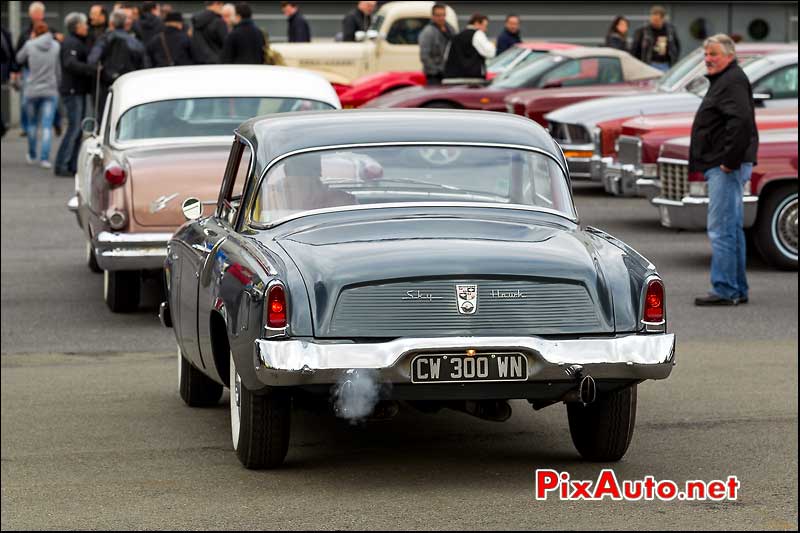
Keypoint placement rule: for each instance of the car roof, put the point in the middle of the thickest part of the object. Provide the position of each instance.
(275, 135)
(546, 45)
(632, 68)
(208, 81)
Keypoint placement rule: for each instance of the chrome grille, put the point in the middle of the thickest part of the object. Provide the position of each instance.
(674, 180)
(379, 310)
(630, 150)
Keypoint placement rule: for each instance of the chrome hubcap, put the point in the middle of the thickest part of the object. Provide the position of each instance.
(235, 402)
(785, 226)
(440, 156)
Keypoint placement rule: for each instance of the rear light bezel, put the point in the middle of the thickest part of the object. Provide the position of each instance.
(272, 329)
(113, 180)
(648, 324)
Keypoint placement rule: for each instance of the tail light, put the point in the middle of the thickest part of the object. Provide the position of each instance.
(276, 307)
(696, 176)
(115, 175)
(654, 302)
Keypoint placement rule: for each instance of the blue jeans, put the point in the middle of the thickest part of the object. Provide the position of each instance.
(725, 219)
(40, 108)
(67, 157)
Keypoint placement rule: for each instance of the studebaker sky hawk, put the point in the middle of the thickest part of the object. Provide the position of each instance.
(452, 271)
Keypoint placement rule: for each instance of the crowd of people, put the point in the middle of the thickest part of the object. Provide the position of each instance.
(79, 66)
(70, 73)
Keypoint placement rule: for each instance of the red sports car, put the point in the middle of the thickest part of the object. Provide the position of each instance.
(564, 68)
(371, 86)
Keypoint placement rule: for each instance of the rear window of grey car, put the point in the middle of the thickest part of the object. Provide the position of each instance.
(202, 117)
(411, 174)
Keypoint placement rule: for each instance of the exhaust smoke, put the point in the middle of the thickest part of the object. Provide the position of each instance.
(356, 395)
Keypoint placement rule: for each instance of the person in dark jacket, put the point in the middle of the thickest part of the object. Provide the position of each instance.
(119, 52)
(149, 24)
(77, 78)
(657, 43)
(98, 24)
(433, 42)
(723, 147)
(172, 46)
(617, 36)
(208, 34)
(469, 50)
(245, 44)
(510, 34)
(358, 19)
(297, 25)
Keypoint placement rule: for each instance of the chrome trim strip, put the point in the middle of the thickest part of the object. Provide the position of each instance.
(248, 221)
(696, 200)
(306, 355)
(107, 237)
(396, 205)
(671, 161)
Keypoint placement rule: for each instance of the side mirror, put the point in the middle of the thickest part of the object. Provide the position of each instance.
(192, 208)
(89, 125)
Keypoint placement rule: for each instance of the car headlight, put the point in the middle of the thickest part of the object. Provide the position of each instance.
(698, 188)
(650, 169)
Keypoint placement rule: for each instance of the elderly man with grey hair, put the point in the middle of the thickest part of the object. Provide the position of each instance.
(723, 147)
(117, 52)
(77, 78)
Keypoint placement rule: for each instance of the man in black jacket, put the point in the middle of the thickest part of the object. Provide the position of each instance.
(77, 78)
(298, 30)
(208, 35)
(723, 146)
(657, 43)
(358, 19)
(149, 24)
(98, 24)
(469, 50)
(172, 46)
(244, 45)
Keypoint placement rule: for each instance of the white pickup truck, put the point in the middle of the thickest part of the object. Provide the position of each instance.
(390, 44)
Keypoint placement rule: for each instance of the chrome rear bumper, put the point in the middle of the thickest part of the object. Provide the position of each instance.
(131, 251)
(691, 212)
(294, 362)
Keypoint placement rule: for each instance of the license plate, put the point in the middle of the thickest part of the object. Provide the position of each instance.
(459, 368)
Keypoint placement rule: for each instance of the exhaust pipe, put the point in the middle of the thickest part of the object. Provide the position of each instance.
(586, 392)
(492, 410)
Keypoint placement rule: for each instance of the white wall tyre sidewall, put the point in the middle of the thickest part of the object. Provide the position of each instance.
(106, 281)
(235, 403)
(780, 245)
(180, 368)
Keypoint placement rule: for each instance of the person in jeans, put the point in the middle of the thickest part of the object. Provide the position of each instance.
(42, 53)
(723, 146)
(77, 78)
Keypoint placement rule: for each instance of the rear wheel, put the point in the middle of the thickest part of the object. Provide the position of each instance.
(121, 289)
(91, 259)
(196, 389)
(260, 424)
(602, 430)
(776, 227)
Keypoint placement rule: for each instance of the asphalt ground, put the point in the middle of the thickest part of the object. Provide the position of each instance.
(94, 435)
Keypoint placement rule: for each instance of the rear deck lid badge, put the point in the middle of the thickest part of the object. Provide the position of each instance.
(161, 202)
(467, 299)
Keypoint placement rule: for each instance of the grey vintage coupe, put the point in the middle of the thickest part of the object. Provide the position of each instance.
(461, 285)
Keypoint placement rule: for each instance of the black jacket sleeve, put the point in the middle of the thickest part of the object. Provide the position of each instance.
(636, 48)
(70, 62)
(218, 32)
(301, 33)
(733, 103)
(349, 27)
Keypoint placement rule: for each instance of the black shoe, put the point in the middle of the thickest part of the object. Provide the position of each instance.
(742, 300)
(57, 130)
(713, 299)
(63, 173)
